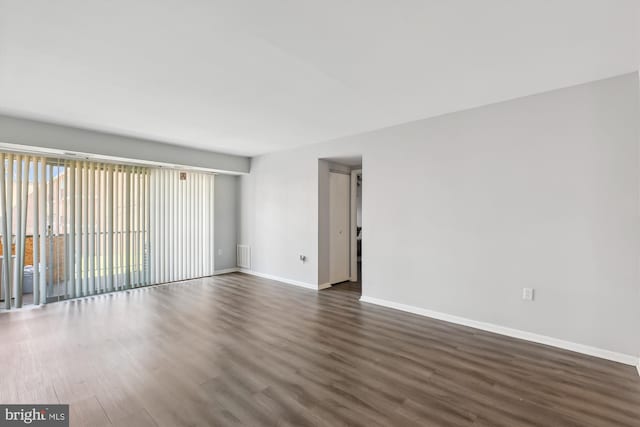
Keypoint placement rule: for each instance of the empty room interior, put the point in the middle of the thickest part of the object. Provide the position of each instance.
(322, 213)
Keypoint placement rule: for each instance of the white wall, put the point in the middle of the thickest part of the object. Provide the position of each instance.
(324, 240)
(279, 215)
(51, 136)
(226, 221)
(463, 211)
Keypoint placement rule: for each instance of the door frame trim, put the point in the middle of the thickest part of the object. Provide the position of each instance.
(353, 247)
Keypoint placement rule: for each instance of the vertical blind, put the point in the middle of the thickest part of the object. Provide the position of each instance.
(89, 227)
(182, 225)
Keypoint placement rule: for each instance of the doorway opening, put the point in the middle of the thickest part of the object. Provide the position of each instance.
(340, 225)
(355, 257)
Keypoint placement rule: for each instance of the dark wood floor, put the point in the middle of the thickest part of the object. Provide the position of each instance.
(240, 350)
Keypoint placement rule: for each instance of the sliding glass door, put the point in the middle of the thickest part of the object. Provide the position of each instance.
(78, 228)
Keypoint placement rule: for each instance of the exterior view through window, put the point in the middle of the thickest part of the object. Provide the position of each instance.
(78, 228)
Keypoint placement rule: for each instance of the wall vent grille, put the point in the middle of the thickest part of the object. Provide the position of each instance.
(243, 256)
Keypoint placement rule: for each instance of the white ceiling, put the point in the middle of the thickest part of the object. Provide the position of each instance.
(254, 76)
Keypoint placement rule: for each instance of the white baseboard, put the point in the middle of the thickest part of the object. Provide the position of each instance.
(638, 367)
(515, 333)
(324, 286)
(280, 279)
(226, 271)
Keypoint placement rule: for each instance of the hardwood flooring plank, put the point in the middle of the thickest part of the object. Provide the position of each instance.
(237, 350)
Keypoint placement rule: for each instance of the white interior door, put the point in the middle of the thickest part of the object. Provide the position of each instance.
(339, 220)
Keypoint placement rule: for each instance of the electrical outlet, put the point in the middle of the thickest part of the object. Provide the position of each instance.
(527, 294)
